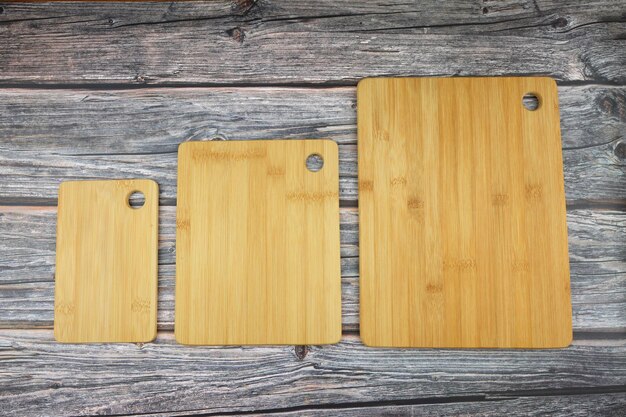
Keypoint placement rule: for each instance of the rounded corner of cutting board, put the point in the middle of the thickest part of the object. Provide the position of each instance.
(550, 82)
(330, 142)
(569, 340)
(63, 185)
(57, 336)
(184, 148)
(151, 183)
(333, 338)
(566, 342)
(363, 83)
(150, 337)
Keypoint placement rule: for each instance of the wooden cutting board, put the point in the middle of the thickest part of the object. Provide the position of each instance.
(463, 235)
(257, 238)
(106, 262)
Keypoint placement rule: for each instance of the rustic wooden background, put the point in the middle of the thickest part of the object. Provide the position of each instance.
(108, 90)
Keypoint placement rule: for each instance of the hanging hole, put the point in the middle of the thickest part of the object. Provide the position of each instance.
(314, 162)
(530, 101)
(136, 199)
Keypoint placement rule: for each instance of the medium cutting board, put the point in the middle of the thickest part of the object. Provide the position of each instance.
(463, 235)
(106, 262)
(257, 238)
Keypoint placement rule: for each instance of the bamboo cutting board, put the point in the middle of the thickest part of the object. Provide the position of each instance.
(106, 262)
(463, 236)
(257, 237)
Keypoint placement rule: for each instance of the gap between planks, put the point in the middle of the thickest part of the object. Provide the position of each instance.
(325, 85)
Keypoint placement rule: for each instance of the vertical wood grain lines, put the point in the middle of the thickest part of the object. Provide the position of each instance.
(258, 257)
(463, 238)
(106, 262)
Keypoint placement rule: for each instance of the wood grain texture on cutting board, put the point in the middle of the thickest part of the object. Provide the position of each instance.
(106, 262)
(257, 243)
(463, 236)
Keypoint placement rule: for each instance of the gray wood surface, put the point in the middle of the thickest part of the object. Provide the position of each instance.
(571, 405)
(596, 246)
(48, 378)
(109, 90)
(83, 134)
(285, 42)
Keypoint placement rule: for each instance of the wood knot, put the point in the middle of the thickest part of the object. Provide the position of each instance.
(620, 150)
(243, 7)
(301, 352)
(613, 104)
(140, 79)
(237, 34)
(561, 22)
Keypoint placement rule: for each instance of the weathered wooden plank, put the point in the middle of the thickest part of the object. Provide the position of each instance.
(58, 135)
(597, 245)
(584, 405)
(50, 135)
(217, 42)
(42, 377)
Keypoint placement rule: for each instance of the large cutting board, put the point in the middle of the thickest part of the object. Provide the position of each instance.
(463, 236)
(257, 243)
(106, 262)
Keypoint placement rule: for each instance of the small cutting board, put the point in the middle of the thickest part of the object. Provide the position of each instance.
(257, 243)
(463, 235)
(106, 262)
